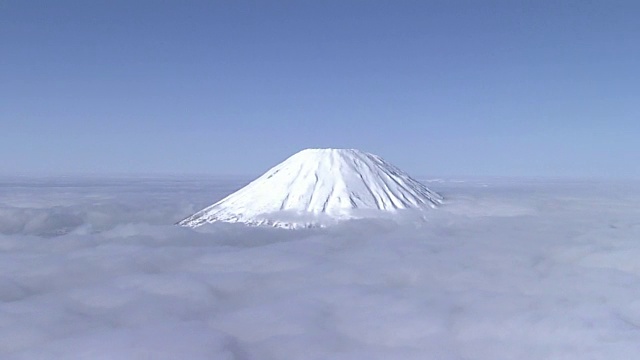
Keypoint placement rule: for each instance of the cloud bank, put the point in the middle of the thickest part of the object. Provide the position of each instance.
(505, 270)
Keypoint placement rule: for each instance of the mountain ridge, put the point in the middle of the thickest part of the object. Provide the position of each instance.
(334, 183)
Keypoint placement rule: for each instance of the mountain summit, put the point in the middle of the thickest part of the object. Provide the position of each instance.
(318, 185)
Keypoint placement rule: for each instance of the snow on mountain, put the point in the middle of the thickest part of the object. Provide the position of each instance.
(315, 186)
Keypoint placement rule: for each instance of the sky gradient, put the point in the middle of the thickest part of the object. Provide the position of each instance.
(439, 88)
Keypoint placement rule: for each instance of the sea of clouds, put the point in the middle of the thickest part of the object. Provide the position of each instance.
(95, 269)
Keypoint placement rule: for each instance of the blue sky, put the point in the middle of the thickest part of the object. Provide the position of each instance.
(442, 88)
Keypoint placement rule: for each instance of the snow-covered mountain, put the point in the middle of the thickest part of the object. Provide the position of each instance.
(316, 186)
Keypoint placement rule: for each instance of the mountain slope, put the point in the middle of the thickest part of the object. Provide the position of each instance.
(319, 184)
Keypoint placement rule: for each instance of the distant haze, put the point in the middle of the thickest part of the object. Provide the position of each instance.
(439, 88)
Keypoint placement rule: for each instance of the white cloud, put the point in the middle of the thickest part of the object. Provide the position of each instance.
(503, 271)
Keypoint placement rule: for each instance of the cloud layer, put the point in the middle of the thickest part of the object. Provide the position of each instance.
(95, 270)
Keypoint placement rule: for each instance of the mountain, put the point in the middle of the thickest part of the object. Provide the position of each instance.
(319, 186)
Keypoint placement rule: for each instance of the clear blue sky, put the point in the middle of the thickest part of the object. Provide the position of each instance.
(514, 88)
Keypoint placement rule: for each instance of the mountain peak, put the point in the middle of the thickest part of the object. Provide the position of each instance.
(320, 183)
